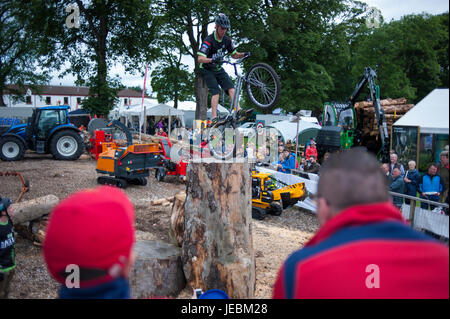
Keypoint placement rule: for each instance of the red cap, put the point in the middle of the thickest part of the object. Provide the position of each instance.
(93, 229)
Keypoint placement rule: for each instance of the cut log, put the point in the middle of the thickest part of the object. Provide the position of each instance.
(33, 230)
(389, 109)
(157, 271)
(384, 102)
(162, 201)
(177, 218)
(33, 209)
(217, 248)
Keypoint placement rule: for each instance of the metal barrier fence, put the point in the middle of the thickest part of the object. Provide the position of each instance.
(431, 220)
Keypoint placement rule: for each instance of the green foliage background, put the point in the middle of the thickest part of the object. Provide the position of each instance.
(319, 48)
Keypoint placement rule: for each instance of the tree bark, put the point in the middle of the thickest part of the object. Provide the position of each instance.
(33, 209)
(217, 249)
(201, 95)
(157, 271)
(177, 218)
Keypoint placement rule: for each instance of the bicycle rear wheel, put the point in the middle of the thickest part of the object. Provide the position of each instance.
(263, 86)
(222, 140)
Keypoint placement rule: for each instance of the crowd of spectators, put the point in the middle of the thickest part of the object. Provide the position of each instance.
(431, 185)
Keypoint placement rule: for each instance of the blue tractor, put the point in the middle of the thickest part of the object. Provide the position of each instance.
(48, 131)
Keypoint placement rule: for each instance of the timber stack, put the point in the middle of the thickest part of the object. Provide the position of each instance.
(394, 109)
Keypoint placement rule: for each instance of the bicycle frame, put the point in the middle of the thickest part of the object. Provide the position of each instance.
(237, 90)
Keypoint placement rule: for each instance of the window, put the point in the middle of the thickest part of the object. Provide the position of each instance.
(48, 100)
(28, 99)
(78, 100)
(66, 100)
(346, 118)
(125, 101)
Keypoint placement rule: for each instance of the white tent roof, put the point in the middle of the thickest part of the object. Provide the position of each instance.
(135, 109)
(153, 110)
(288, 129)
(220, 109)
(431, 113)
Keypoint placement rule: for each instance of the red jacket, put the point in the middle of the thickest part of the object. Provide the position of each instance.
(366, 251)
(311, 151)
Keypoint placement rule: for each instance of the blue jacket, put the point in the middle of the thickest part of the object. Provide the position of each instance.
(288, 164)
(397, 186)
(429, 183)
(411, 188)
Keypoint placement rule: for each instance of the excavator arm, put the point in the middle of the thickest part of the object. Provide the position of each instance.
(368, 78)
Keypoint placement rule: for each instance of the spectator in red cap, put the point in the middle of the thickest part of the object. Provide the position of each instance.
(88, 247)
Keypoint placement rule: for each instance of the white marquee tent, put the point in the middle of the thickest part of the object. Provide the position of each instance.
(288, 129)
(431, 113)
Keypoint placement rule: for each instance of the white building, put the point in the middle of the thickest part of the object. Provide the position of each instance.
(63, 95)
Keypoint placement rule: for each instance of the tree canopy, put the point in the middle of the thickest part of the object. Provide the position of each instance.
(319, 48)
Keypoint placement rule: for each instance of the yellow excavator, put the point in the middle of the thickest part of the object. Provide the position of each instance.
(268, 198)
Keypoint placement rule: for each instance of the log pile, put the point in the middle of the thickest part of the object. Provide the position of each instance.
(394, 109)
(146, 138)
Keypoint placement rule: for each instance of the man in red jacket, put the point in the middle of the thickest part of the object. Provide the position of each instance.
(364, 248)
(311, 150)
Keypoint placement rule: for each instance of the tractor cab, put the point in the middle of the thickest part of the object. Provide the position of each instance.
(338, 130)
(42, 123)
(339, 114)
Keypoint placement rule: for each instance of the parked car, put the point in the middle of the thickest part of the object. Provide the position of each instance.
(247, 128)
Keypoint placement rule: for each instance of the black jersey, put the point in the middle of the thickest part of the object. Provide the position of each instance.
(7, 257)
(211, 46)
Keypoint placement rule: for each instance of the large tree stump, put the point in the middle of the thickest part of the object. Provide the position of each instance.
(33, 209)
(217, 249)
(157, 271)
(177, 218)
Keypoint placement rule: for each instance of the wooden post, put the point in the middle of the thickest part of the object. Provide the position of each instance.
(217, 248)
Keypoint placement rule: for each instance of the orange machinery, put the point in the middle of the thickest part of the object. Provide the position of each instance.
(129, 164)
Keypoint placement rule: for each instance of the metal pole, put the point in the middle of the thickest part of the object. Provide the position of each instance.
(412, 211)
(296, 138)
(169, 123)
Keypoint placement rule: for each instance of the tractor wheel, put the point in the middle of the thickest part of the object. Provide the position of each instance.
(66, 145)
(160, 174)
(11, 148)
(143, 181)
(258, 213)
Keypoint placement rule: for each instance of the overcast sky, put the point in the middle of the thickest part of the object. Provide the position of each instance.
(389, 9)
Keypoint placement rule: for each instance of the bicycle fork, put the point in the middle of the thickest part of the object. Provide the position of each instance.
(237, 92)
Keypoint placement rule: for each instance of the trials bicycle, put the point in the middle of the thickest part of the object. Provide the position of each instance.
(263, 89)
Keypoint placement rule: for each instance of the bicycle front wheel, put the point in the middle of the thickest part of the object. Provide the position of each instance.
(222, 140)
(263, 86)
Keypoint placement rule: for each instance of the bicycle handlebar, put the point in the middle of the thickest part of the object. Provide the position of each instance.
(238, 61)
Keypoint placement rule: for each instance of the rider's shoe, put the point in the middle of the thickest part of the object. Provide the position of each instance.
(215, 121)
(242, 114)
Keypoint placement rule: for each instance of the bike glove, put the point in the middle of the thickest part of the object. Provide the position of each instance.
(246, 54)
